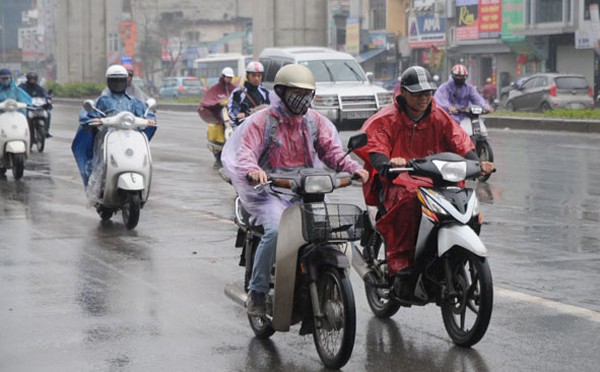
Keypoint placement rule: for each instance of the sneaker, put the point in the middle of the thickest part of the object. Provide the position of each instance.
(256, 304)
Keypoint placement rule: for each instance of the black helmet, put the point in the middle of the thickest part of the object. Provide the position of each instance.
(417, 79)
(32, 76)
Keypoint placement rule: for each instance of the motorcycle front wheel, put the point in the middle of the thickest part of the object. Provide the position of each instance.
(131, 209)
(40, 136)
(18, 165)
(468, 309)
(334, 333)
(261, 325)
(484, 153)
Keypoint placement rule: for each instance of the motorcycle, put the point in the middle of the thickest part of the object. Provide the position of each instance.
(450, 266)
(121, 176)
(38, 117)
(310, 281)
(14, 138)
(475, 127)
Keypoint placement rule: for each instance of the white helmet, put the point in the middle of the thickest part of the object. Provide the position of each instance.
(116, 71)
(227, 72)
(116, 78)
(255, 66)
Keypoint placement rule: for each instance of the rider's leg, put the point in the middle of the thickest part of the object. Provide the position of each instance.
(261, 271)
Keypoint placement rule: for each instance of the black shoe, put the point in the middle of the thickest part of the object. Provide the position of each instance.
(403, 284)
(48, 135)
(256, 304)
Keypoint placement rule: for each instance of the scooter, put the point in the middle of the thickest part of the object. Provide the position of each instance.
(38, 117)
(310, 281)
(475, 127)
(450, 266)
(120, 180)
(14, 138)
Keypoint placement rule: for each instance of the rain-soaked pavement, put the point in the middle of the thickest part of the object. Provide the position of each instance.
(77, 294)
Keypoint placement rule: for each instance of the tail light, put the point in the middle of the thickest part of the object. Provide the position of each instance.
(590, 91)
(552, 90)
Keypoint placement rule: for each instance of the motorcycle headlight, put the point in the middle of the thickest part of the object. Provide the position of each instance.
(476, 110)
(127, 120)
(452, 171)
(434, 206)
(318, 184)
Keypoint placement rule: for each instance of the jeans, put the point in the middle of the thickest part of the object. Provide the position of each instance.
(264, 259)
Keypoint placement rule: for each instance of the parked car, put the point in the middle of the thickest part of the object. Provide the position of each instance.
(181, 86)
(542, 92)
(505, 91)
(345, 93)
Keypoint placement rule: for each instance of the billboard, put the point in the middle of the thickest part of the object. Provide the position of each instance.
(425, 31)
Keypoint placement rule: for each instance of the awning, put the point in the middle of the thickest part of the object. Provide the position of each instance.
(368, 55)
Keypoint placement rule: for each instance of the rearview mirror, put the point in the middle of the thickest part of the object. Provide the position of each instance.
(151, 105)
(88, 105)
(357, 141)
(370, 77)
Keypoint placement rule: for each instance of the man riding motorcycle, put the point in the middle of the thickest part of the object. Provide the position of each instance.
(288, 135)
(115, 101)
(32, 87)
(413, 127)
(249, 97)
(132, 89)
(456, 94)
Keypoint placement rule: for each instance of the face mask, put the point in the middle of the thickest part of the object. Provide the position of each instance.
(298, 104)
(459, 82)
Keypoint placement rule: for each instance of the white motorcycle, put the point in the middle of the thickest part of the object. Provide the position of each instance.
(120, 180)
(14, 137)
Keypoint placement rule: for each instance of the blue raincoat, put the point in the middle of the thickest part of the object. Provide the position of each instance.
(16, 93)
(459, 96)
(110, 104)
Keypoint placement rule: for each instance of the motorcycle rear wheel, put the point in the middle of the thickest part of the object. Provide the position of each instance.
(131, 209)
(334, 334)
(261, 325)
(18, 165)
(467, 313)
(40, 136)
(380, 302)
(485, 153)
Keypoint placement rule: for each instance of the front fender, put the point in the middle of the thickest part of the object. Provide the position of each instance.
(462, 236)
(16, 147)
(130, 181)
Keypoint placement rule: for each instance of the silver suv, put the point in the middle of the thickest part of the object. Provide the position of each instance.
(344, 92)
(551, 91)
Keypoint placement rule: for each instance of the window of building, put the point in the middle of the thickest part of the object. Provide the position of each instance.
(586, 8)
(547, 11)
(377, 13)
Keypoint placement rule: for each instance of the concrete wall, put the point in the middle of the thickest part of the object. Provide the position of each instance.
(80, 49)
(283, 23)
(576, 61)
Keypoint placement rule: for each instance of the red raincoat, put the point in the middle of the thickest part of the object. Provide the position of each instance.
(392, 133)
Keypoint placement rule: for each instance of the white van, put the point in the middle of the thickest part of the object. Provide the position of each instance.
(344, 92)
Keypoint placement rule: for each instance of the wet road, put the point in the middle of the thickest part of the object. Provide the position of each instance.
(80, 295)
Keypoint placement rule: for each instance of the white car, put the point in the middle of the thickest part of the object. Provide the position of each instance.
(344, 92)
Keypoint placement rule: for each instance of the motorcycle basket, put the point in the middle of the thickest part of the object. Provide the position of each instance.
(324, 221)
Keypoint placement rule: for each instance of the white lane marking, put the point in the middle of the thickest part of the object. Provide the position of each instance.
(560, 307)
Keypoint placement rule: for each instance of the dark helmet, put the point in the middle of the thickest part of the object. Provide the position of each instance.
(116, 78)
(417, 79)
(32, 77)
(5, 77)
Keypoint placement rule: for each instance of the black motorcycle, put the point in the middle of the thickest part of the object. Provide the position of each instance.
(38, 117)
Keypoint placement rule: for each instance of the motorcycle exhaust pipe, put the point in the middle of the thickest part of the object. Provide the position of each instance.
(236, 293)
(358, 262)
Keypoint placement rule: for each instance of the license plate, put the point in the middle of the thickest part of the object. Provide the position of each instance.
(358, 114)
(575, 106)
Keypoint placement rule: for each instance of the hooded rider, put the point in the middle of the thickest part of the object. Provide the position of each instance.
(250, 97)
(8, 89)
(32, 88)
(413, 127)
(287, 135)
(457, 94)
(216, 97)
(115, 101)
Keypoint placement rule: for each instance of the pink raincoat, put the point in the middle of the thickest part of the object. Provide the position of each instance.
(300, 142)
(392, 133)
